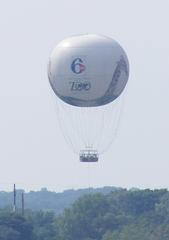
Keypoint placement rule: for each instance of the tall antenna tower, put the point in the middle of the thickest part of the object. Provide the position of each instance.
(23, 204)
(14, 199)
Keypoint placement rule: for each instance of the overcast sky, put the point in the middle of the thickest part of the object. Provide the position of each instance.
(33, 152)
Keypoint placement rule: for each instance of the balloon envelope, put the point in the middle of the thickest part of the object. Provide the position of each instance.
(88, 70)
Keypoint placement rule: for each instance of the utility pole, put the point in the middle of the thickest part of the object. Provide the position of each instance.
(23, 204)
(14, 199)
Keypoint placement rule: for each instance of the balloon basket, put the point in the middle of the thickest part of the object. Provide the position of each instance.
(89, 155)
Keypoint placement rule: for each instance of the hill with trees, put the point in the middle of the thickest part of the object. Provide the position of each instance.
(48, 200)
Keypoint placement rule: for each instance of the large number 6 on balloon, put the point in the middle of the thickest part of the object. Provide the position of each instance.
(77, 66)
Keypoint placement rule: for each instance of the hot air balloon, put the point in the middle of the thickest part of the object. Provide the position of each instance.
(88, 73)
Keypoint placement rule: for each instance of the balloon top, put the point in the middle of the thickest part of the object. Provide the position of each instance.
(87, 40)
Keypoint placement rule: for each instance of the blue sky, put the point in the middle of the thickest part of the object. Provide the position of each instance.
(33, 151)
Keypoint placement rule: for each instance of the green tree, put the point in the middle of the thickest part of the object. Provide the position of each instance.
(18, 227)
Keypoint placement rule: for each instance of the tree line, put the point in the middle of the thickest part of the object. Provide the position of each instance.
(117, 215)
